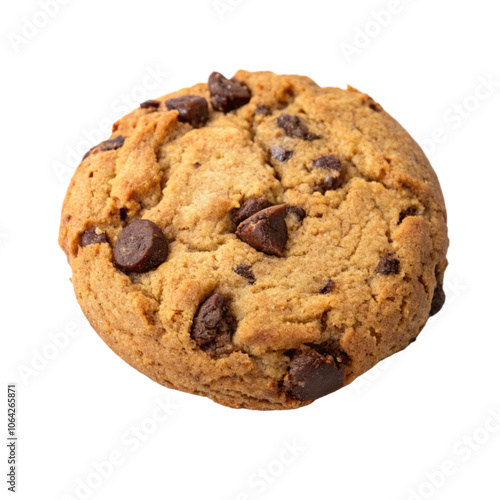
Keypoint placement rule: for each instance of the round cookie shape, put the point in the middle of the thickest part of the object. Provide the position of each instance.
(258, 240)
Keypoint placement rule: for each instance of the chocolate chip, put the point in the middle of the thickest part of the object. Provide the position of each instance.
(374, 106)
(330, 285)
(333, 165)
(328, 162)
(438, 299)
(226, 95)
(212, 328)
(111, 144)
(407, 213)
(388, 264)
(91, 236)
(150, 104)
(298, 212)
(280, 154)
(197, 164)
(266, 230)
(312, 376)
(294, 127)
(207, 318)
(245, 270)
(262, 110)
(140, 247)
(123, 213)
(192, 109)
(327, 184)
(108, 145)
(250, 207)
(332, 348)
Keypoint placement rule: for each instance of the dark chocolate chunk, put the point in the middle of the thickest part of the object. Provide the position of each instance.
(327, 184)
(91, 236)
(332, 348)
(245, 270)
(207, 318)
(294, 127)
(438, 299)
(111, 144)
(192, 109)
(388, 264)
(227, 95)
(266, 230)
(280, 154)
(262, 110)
(328, 162)
(312, 376)
(250, 207)
(150, 104)
(333, 165)
(298, 212)
(330, 285)
(374, 106)
(407, 213)
(108, 145)
(212, 328)
(140, 247)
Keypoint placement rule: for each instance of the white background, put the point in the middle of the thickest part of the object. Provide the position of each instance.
(386, 436)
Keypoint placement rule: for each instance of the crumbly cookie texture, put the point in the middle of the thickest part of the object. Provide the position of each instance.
(261, 240)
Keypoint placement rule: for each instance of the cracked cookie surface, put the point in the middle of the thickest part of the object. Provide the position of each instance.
(292, 236)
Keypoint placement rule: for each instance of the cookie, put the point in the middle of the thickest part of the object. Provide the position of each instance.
(258, 240)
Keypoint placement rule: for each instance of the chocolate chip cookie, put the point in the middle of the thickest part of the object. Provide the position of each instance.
(259, 240)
